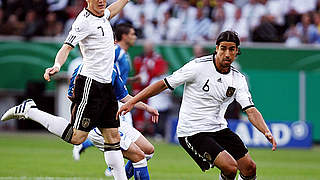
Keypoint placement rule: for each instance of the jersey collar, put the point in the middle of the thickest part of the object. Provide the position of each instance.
(214, 62)
(94, 14)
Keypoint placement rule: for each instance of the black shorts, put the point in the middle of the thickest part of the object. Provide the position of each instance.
(94, 105)
(204, 147)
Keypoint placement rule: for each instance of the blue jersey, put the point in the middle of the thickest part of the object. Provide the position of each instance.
(117, 83)
(122, 62)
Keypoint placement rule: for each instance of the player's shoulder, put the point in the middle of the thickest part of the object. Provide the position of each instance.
(82, 19)
(204, 59)
(237, 73)
(235, 70)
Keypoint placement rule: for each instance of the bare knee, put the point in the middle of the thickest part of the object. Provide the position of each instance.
(76, 140)
(111, 135)
(250, 169)
(227, 164)
(149, 150)
(247, 166)
(230, 170)
(139, 157)
(78, 137)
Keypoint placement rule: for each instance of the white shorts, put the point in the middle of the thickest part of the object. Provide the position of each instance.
(127, 117)
(128, 135)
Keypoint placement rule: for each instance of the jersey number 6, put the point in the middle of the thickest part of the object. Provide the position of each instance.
(206, 86)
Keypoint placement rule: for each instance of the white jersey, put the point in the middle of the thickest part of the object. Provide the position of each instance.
(207, 94)
(95, 37)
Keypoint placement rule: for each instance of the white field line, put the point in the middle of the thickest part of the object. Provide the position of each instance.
(49, 178)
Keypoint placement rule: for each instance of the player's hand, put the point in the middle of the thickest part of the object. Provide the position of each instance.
(124, 109)
(271, 139)
(50, 72)
(154, 114)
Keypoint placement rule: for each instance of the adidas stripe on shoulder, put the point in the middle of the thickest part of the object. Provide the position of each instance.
(204, 59)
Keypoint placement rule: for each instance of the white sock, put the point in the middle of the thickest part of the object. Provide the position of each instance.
(250, 178)
(239, 177)
(149, 156)
(221, 178)
(115, 161)
(56, 125)
(139, 164)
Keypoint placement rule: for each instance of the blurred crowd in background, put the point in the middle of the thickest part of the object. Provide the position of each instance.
(290, 21)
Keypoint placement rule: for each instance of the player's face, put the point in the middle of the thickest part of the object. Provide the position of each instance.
(226, 54)
(97, 6)
(131, 37)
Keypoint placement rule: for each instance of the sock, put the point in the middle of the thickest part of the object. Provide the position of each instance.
(129, 169)
(87, 143)
(149, 156)
(114, 159)
(56, 125)
(223, 177)
(141, 170)
(242, 177)
(129, 166)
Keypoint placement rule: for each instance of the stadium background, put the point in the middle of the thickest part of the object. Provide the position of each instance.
(283, 78)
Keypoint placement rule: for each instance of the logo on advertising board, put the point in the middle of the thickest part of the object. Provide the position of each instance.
(296, 134)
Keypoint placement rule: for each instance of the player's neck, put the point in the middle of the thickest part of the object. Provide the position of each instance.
(95, 13)
(123, 45)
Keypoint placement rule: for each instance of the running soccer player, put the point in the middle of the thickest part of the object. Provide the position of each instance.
(126, 37)
(134, 145)
(95, 102)
(210, 85)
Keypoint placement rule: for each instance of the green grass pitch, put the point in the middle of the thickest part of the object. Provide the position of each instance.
(40, 156)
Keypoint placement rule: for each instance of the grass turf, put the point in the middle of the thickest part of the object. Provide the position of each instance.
(44, 156)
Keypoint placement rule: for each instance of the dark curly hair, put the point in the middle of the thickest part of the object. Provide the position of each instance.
(229, 36)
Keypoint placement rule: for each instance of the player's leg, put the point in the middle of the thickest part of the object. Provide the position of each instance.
(145, 146)
(79, 149)
(139, 162)
(56, 125)
(207, 153)
(112, 152)
(234, 145)
(130, 135)
(247, 168)
(228, 166)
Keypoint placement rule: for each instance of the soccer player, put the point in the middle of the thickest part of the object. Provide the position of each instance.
(95, 102)
(134, 145)
(210, 85)
(126, 37)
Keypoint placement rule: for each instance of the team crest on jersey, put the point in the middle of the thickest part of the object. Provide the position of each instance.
(85, 122)
(230, 91)
(208, 157)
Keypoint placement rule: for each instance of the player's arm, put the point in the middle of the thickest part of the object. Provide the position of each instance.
(133, 79)
(60, 59)
(140, 105)
(257, 120)
(116, 7)
(149, 91)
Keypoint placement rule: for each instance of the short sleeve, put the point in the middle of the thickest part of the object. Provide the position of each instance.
(78, 32)
(107, 13)
(243, 95)
(182, 75)
(119, 88)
